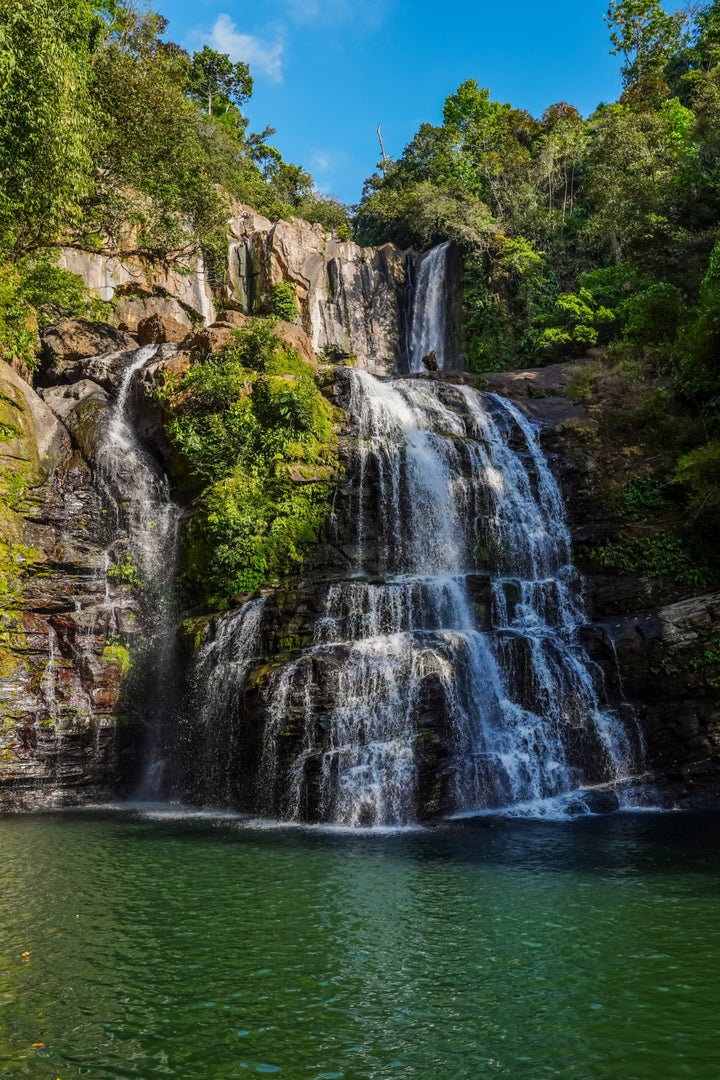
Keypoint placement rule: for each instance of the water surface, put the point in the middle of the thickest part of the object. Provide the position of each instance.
(163, 946)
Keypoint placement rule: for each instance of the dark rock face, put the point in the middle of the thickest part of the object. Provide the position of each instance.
(62, 679)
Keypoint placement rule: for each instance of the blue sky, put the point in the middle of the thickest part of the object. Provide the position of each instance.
(328, 71)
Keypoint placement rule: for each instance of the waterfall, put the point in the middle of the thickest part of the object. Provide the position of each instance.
(143, 525)
(428, 319)
(446, 672)
(214, 736)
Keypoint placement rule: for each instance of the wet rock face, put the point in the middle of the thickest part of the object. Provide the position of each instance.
(61, 684)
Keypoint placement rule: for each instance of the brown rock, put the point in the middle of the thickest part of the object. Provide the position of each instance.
(231, 318)
(297, 339)
(158, 329)
(69, 341)
(210, 339)
(130, 311)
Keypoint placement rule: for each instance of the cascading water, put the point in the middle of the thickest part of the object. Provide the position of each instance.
(143, 552)
(445, 674)
(428, 333)
(410, 656)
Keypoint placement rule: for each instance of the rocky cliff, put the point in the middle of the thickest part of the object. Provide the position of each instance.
(60, 615)
(352, 300)
(70, 611)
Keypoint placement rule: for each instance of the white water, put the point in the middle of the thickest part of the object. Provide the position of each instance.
(415, 697)
(143, 552)
(220, 676)
(519, 706)
(428, 322)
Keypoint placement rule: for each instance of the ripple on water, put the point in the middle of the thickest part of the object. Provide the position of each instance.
(198, 947)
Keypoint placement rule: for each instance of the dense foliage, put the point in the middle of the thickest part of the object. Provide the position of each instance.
(592, 234)
(113, 136)
(254, 443)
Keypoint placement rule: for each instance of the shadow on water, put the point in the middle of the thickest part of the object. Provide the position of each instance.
(622, 844)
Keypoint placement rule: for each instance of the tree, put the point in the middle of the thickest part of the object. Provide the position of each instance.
(213, 75)
(45, 152)
(645, 35)
(560, 151)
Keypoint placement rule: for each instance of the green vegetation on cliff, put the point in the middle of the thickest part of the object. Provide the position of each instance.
(593, 234)
(254, 444)
(113, 136)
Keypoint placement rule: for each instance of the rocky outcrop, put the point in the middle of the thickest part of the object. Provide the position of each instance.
(68, 343)
(142, 286)
(60, 661)
(669, 662)
(350, 298)
(352, 301)
(159, 329)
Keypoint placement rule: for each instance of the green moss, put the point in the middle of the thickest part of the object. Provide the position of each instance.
(125, 572)
(654, 556)
(192, 632)
(118, 654)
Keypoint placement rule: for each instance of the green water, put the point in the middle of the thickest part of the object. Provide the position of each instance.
(204, 949)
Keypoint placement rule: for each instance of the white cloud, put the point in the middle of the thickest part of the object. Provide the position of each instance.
(367, 12)
(262, 56)
(320, 161)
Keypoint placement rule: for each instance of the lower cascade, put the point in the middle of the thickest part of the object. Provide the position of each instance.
(445, 672)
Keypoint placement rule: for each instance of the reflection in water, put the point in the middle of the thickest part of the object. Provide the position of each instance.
(205, 949)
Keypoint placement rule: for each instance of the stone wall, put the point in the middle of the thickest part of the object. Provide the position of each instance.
(60, 677)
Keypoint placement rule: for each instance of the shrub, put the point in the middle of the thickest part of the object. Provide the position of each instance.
(283, 301)
(652, 317)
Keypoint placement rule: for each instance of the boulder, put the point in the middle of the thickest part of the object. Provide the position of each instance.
(130, 311)
(69, 341)
(159, 329)
(211, 339)
(297, 339)
(81, 407)
(235, 319)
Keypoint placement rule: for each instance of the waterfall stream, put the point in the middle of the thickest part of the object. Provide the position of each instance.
(144, 525)
(464, 497)
(446, 672)
(428, 322)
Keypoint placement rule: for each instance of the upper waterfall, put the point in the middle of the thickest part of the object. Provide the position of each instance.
(428, 329)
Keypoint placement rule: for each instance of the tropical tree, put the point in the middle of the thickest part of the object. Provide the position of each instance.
(213, 76)
(45, 133)
(645, 35)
